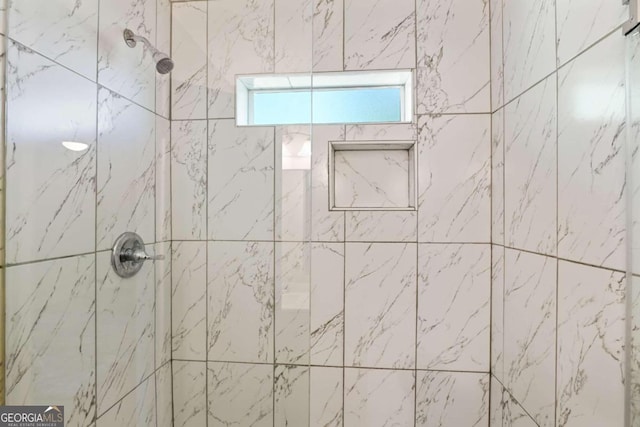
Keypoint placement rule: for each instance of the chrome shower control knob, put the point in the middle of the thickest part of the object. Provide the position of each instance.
(128, 255)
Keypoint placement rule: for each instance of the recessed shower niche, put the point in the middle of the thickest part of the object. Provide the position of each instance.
(372, 175)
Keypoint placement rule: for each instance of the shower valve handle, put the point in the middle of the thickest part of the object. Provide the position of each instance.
(128, 255)
(138, 255)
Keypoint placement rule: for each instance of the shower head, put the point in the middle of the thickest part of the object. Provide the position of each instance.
(164, 64)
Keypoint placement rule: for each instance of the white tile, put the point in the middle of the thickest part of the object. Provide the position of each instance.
(381, 132)
(138, 408)
(377, 226)
(189, 393)
(591, 309)
(164, 396)
(454, 178)
(293, 36)
(189, 180)
(326, 397)
(163, 179)
(529, 44)
(62, 30)
(189, 52)
(452, 399)
(379, 34)
(241, 301)
(188, 296)
(530, 332)
(291, 388)
(241, 182)
(380, 311)
(497, 312)
(453, 39)
(379, 397)
(591, 178)
(163, 304)
(163, 42)
(241, 41)
(130, 72)
(240, 394)
(126, 170)
(513, 414)
(497, 65)
(497, 177)
(454, 291)
(51, 336)
(496, 406)
(530, 164)
(328, 35)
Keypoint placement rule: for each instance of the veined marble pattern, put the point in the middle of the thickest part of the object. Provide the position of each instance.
(50, 209)
(189, 304)
(530, 331)
(583, 22)
(378, 226)
(291, 388)
(513, 414)
(189, 180)
(241, 181)
(189, 392)
(241, 305)
(189, 51)
(497, 65)
(529, 44)
(164, 396)
(497, 312)
(138, 408)
(530, 169)
(163, 179)
(379, 34)
(454, 173)
(380, 311)
(328, 35)
(452, 399)
(241, 41)
(591, 308)
(125, 330)
(62, 30)
(453, 39)
(126, 169)
(380, 132)
(496, 406)
(293, 36)
(326, 396)
(591, 177)
(497, 177)
(379, 397)
(128, 72)
(454, 291)
(163, 41)
(51, 336)
(240, 394)
(163, 304)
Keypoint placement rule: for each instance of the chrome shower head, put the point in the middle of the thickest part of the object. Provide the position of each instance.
(164, 64)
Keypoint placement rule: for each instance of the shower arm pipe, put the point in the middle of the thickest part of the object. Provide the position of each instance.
(633, 24)
(132, 39)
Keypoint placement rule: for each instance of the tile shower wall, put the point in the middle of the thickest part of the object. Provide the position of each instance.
(77, 334)
(286, 313)
(558, 217)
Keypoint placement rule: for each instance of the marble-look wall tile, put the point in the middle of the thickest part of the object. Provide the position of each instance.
(164, 396)
(189, 180)
(378, 226)
(125, 330)
(327, 304)
(497, 64)
(381, 132)
(50, 209)
(126, 169)
(591, 177)
(240, 394)
(530, 169)
(496, 407)
(497, 177)
(163, 179)
(189, 393)
(529, 44)
(513, 415)
(189, 51)
(381, 397)
(454, 173)
(241, 182)
(328, 35)
(453, 38)
(138, 408)
(163, 42)
(530, 331)
(163, 304)
(380, 310)
(454, 292)
(50, 324)
(241, 41)
(241, 301)
(293, 36)
(62, 30)
(591, 308)
(325, 397)
(188, 300)
(291, 388)
(583, 22)
(452, 399)
(497, 312)
(129, 72)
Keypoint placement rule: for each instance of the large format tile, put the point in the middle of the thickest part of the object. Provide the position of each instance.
(453, 38)
(138, 408)
(497, 311)
(163, 179)
(328, 35)
(50, 342)
(291, 388)
(380, 226)
(497, 64)
(164, 396)
(326, 396)
(189, 393)
(380, 305)
(496, 408)
(163, 42)
(241, 306)
(293, 36)
(50, 197)
(497, 177)
(163, 304)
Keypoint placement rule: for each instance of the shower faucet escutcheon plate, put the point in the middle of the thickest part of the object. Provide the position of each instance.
(128, 255)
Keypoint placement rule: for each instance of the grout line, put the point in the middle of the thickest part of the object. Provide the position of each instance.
(95, 228)
(557, 185)
(206, 225)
